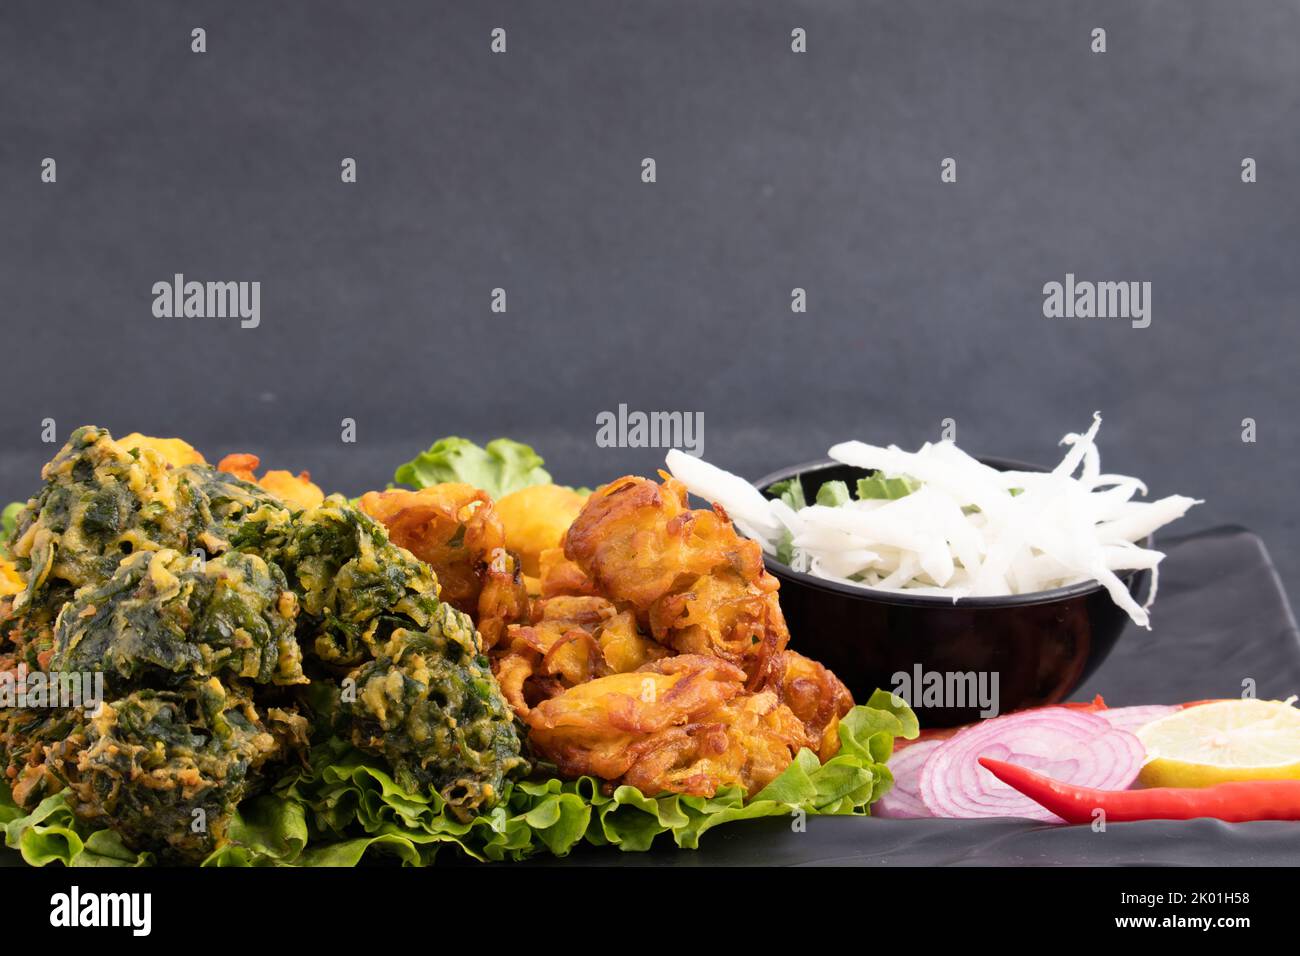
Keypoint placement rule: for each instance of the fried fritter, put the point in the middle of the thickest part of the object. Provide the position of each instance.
(570, 641)
(643, 577)
(102, 502)
(296, 491)
(560, 576)
(204, 599)
(695, 584)
(602, 726)
(746, 742)
(454, 528)
(425, 697)
(504, 598)
(164, 615)
(429, 705)
(535, 519)
(816, 697)
(683, 724)
(166, 769)
(354, 586)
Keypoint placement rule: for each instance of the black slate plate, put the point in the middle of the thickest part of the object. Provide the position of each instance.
(1221, 617)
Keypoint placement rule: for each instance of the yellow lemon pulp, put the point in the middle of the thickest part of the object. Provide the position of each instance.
(1220, 742)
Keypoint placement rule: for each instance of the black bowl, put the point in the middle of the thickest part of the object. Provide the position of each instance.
(1040, 646)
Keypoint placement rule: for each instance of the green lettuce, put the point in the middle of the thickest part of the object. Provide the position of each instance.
(500, 468)
(345, 807)
(8, 522)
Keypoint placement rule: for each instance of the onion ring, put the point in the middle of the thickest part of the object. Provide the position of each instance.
(1068, 745)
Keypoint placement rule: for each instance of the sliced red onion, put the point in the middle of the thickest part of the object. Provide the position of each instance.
(1071, 746)
(1132, 718)
(903, 801)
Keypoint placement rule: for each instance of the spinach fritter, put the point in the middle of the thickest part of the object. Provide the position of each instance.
(206, 602)
(423, 696)
(429, 704)
(167, 768)
(355, 586)
(28, 736)
(102, 502)
(164, 615)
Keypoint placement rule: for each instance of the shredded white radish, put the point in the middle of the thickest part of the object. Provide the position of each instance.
(966, 530)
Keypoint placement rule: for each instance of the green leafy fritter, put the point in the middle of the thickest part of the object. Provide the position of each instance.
(419, 690)
(205, 602)
(102, 502)
(354, 585)
(429, 705)
(166, 769)
(164, 614)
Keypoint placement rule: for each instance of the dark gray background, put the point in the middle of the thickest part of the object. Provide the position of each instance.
(775, 170)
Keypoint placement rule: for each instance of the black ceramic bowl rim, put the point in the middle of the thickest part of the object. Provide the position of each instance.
(1079, 589)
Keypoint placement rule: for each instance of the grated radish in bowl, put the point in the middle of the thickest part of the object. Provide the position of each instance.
(957, 527)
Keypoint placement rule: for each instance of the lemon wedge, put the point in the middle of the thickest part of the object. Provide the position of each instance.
(1220, 742)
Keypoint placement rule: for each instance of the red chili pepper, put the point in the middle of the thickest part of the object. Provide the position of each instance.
(1231, 802)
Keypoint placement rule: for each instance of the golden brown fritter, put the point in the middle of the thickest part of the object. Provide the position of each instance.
(535, 519)
(454, 529)
(571, 640)
(746, 742)
(297, 491)
(682, 724)
(815, 696)
(654, 650)
(604, 726)
(560, 576)
(694, 583)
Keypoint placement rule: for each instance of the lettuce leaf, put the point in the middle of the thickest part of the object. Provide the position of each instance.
(500, 468)
(52, 833)
(8, 522)
(345, 807)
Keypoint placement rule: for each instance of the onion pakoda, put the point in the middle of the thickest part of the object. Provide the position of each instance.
(656, 655)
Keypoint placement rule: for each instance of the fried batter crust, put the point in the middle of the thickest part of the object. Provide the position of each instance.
(657, 654)
(694, 583)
